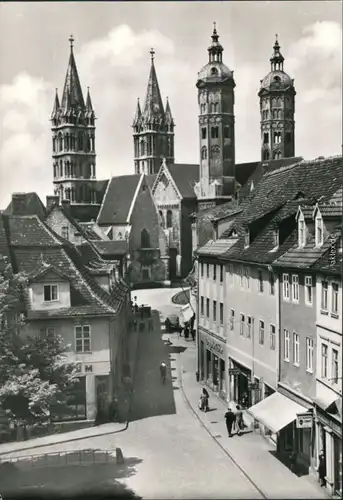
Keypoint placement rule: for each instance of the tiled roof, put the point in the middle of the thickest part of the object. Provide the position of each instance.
(217, 247)
(118, 199)
(111, 247)
(219, 212)
(243, 171)
(32, 205)
(273, 202)
(35, 246)
(331, 262)
(330, 210)
(185, 176)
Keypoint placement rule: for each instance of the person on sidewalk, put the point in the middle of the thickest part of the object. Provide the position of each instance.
(193, 334)
(230, 418)
(322, 469)
(239, 420)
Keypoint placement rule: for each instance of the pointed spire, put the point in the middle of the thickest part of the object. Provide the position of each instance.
(72, 88)
(153, 107)
(89, 105)
(138, 114)
(168, 115)
(277, 58)
(56, 105)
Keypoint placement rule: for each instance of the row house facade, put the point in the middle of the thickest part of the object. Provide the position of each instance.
(261, 313)
(87, 305)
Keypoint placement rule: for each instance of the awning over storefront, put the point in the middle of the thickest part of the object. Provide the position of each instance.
(326, 399)
(276, 411)
(186, 314)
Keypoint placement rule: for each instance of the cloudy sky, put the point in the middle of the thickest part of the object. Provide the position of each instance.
(112, 44)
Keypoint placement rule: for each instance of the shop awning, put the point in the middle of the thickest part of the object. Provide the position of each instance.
(326, 399)
(186, 313)
(276, 411)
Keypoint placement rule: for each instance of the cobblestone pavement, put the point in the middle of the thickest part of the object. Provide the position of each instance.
(176, 451)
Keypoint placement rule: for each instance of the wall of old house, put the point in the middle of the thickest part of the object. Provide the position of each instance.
(187, 208)
(57, 220)
(36, 291)
(300, 318)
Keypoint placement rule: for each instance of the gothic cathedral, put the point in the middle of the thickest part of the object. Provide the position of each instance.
(277, 105)
(153, 129)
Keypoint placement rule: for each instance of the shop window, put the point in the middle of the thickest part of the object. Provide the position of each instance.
(261, 332)
(221, 313)
(75, 408)
(272, 337)
(82, 338)
(202, 306)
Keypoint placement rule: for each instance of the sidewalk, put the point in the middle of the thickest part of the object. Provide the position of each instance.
(250, 451)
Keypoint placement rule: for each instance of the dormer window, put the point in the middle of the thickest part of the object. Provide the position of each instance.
(301, 232)
(50, 293)
(319, 231)
(276, 237)
(246, 238)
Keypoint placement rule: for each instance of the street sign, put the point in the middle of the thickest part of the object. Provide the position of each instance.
(304, 420)
(234, 371)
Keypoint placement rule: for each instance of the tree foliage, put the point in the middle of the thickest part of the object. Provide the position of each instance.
(34, 375)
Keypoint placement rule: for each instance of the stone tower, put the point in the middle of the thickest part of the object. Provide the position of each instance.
(277, 105)
(216, 128)
(73, 145)
(153, 129)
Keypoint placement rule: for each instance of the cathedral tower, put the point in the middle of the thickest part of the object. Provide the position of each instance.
(153, 129)
(73, 144)
(277, 105)
(216, 128)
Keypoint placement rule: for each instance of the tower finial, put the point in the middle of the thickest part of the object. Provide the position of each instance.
(71, 40)
(214, 26)
(152, 53)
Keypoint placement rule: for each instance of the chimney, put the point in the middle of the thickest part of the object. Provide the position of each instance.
(51, 201)
(19, 204)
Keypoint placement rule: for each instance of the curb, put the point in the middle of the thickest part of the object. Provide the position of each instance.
(211, 435)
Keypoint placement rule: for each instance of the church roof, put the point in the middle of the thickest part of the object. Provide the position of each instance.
(185, 176)
(118, 199)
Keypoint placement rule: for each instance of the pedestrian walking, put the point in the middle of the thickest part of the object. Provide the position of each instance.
(239, 420)
(230, 418)
(193, 334)
(322, 469)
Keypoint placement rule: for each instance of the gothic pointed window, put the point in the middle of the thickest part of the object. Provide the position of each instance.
(161, 218)
(265, 138)
(145, 239)
(266, 154)
(204, 153)
(169, 218)
(60, 142)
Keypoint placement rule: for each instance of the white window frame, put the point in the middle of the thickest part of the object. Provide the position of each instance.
(301, 232)
(334, 366)
(308, 286)
(309, 354)
(232, 320)
(295, 288)
(247, 277)
(221, 313)
(325, 293)
(250, 326)
(242, 325)
(276, 237)
(319, 231)
(285, 286)
(286, 340)
(261, 332)
(324, 366)
(83, 338)
(56, 287)
(296, 349)
(334, 298)
(260, 282)
(272, 337)
(65, 232)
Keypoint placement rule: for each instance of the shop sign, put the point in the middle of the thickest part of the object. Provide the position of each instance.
(234, 371)
(214, 346)
(304, 421)
(86, 368)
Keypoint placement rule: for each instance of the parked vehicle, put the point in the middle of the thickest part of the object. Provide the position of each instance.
(172, 323)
